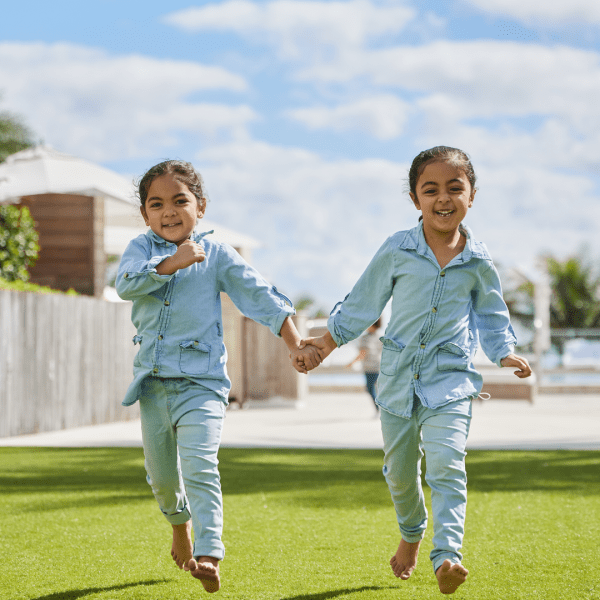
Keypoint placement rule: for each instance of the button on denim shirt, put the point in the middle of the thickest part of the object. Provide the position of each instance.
(178, 317)
(439, 317)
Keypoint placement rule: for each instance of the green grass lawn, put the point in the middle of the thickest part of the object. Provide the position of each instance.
(299, 525)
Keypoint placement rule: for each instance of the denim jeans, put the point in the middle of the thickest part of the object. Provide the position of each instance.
(181, 433)
(440, 434)
(371, 381)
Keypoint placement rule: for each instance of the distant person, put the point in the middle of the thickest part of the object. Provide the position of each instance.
(370, 355)
(446, 297)
(174, 275)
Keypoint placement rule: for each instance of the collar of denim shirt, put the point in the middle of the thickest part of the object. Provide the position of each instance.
(415, 240)
(196, 236)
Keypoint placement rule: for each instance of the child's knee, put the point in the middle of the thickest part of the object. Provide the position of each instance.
(401, 479)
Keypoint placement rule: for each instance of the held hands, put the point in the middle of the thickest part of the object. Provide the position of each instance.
(305, 359)
(523, 368)
(312, 351)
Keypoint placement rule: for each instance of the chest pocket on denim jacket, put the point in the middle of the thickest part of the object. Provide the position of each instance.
(390, 355)
(194, 357)
(451, 357)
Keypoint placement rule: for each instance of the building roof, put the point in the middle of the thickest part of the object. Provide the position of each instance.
(44, 170)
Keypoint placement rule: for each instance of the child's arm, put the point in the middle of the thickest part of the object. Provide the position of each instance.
(512, 360)
(187, 254)
(362, 354)
(303, 359)
(141, 274)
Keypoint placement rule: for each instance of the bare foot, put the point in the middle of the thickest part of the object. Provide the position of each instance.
(404, 561)
(181, 550)
(450, 575)
(206, 569)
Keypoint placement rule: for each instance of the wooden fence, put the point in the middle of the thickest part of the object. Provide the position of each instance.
(66, 361)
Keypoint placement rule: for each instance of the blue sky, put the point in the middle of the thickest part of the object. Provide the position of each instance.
(303, 116)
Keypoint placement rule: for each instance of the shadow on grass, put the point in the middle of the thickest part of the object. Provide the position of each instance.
(316, 478)
(574, 471)
(338, 593)
(74, 594)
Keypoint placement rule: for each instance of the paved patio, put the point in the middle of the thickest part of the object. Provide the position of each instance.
(348, 420)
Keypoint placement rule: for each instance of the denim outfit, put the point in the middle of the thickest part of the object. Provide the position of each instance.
(427, 378)
(180, 375)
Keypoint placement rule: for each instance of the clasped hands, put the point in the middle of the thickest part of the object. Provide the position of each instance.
(311, 352)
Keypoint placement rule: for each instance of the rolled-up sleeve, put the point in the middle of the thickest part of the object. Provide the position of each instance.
(492, 317)
(251, 293)
(365, 303)
(137, 274)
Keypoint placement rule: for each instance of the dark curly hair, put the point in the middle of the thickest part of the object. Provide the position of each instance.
(182, 171)
(457, 158)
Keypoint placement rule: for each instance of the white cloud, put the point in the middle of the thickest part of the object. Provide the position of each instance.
(323, 219)
(482, 78)
(382, 116)
(553, 11)
(298, 27)
(105, 107)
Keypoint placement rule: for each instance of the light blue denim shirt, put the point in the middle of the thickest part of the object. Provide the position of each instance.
(178, 316)
(439, 316)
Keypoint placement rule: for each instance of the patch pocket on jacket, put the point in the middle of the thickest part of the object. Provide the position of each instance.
(390, 355)
(451, 357)
(194, 357)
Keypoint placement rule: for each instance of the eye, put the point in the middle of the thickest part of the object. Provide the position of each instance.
(182, 201)
(155, 204)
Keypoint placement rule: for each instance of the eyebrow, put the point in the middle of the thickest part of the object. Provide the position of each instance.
(435, 182)
(159, 198)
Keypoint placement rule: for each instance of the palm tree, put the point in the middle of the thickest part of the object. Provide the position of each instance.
(575, 302)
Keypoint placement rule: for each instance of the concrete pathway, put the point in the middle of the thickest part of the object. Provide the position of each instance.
(348, 420)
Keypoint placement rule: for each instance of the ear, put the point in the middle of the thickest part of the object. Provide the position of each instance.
(415, 200)
(144, 215)
(472, 198)
(200, 210)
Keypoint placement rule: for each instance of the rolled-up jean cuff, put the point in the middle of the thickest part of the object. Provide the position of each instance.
(439, 560)
(179, 518)
(412, 538)
(216, 551)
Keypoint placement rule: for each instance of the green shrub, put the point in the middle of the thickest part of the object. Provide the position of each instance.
(18, 243)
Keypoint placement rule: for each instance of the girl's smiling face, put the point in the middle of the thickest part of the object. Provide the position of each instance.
(443, 195)
(171, 210)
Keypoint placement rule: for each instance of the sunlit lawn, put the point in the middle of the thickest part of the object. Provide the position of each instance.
(299, 525)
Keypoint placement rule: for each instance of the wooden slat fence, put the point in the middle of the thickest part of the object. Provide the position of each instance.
(65, 361)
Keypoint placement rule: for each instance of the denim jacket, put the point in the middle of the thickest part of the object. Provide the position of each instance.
(439, 317)
(178, 317)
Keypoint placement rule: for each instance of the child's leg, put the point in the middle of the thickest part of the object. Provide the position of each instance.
(198, 430)
(402, 471)
(371, 380)
(199, 419)
(162, 466)
(445, 432)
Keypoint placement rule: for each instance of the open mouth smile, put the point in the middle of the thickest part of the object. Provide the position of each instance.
(444, 213)
(172, 225)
